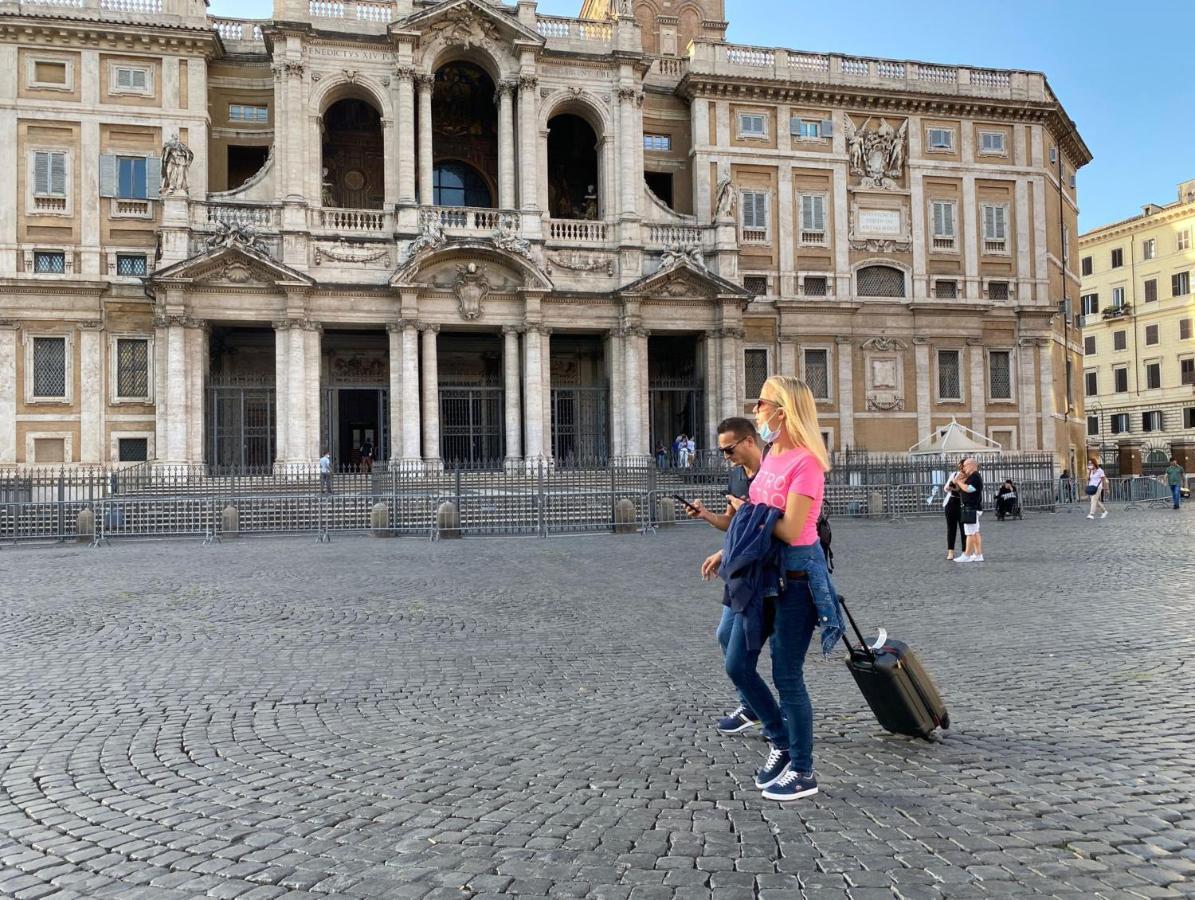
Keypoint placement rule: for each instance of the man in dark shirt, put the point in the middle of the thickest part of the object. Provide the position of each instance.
(970, 485)
(367, 455)
(740, 444)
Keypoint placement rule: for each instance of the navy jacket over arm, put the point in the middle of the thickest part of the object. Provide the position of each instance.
(752, 566)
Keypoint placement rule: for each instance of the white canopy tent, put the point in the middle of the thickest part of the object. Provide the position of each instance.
(955, 439)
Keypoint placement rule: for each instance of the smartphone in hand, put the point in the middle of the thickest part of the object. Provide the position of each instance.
(679, 499)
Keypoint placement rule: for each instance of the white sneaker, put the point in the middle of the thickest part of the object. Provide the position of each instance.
(1104, 514)
(963, 558)
(1090, 516)
(976, 559)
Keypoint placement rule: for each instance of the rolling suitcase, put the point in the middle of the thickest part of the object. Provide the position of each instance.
(895, 684)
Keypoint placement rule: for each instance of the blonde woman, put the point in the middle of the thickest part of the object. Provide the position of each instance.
(792, 480)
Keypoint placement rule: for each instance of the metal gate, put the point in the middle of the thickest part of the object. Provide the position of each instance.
(472, 427)
(240, 428)
(675, 407)
(580, 426)
(330, 423)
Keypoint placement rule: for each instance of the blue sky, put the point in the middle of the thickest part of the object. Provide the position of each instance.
(1123, 72)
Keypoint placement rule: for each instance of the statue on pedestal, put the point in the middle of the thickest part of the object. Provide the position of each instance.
(176, 160)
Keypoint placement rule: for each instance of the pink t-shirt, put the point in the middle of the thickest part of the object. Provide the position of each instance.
(792, 471)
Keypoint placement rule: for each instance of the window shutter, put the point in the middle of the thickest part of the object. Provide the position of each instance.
(761, 210)
(153, 177)
(107, 175)
(827, 128)
(797, 126)
(137, 79)
(124, 78)
(940, 219)
(817, 213)
(41, 173)
(58, 174)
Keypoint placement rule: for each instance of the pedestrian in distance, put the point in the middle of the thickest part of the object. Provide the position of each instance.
(325, 472)
(691, 448)
(661, 456)
(740, 445)
(1097, 486)
(785, 502)
(366, 455)
(952, 507)
(1175, 476)
(970, 485)
(1006, 500)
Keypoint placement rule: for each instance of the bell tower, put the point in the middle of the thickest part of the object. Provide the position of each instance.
(668, 26)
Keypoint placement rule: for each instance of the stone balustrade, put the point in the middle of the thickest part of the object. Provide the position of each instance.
(238, 30)
(351, 220)
(107, 9)
(669, 235)
(832, 68)
(376, 11)
(474, 220)
(257, 215)
(562, 32)
(577, 231)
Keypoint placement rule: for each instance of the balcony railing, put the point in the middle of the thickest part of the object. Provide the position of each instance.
(577, 231)
(668, 235)
(111, 9)
(354, 220)
(238, 30)
(256, 215)
(355, 10)
(473, 219)
(710, 58)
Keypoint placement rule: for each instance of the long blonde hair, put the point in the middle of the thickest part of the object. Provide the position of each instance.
(800, 414)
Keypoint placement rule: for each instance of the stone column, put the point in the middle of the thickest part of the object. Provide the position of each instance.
(628, 98)
(924, 394)
(615, 357)
(713, 372)
(8, 393)
(979, 394)
(176, 403)
(788, 356)
(528, 132)
(545, 368)
(1025, 392)
(406, 137)
(410, 391)
(512, 399)
(972, 237)
(281, 394)
(643, 396)
(88, 161)
(841, 284)
(846, 392)
(197, 366)
(703, 205)
(394, 339)
(1045, 347)
(635, 389)
(91, 393)
(533, 396)
(297, 395)
(426, 158)
(730, 372)
(431, 394)
(312, 361)
(161, 388)
(506, 148)
(920, 237)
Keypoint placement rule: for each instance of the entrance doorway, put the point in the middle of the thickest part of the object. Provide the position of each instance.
(472, 401)
(352, 416)
(675, 392)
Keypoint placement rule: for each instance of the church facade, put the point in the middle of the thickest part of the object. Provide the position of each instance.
(469, 233)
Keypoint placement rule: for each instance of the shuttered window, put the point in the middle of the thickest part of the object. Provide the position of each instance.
(130, 80)
(943, 219)
(49, 173)
(995, 228)
(755, 216)
(813, 218)
(130, 177)
(811, 129)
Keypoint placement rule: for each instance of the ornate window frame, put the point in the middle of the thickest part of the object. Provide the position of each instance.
(1013, 361)
(802, 349)
(67, 87)
(115, 398)
(31, 194)
(961, 351)
(115, 90)
(68, 398)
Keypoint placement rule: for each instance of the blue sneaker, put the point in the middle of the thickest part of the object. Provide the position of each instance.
(792, 785)
(738, 721)
(773, 769)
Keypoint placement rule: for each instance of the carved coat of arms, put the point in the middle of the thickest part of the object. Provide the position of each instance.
(471, 287)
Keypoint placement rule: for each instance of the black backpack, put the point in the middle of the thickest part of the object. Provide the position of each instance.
(825, 534)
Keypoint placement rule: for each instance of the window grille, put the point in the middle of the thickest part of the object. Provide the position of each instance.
(49, 367)
(49, 262)
(997, 290)
(817, 373)
(129, 265)
(946, 290)
(816, 286)
(132, 367)
(949, 381)
(755, 367)
(133, 449)
(881, 281)
(756, 284)
(1000, 374)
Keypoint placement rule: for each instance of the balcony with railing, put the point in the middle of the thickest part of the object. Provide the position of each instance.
(578, 231)
(113, 10)
(734, 60)
(350, 221)
(585, 35)
(259, 216)
(240, 34)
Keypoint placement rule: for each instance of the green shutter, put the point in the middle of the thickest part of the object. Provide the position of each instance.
(153, 177)
(107, 175)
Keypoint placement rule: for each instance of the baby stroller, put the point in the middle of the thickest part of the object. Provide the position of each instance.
(1008, 505)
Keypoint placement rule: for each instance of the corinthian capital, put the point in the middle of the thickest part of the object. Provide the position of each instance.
(404, 73)
(528, 82)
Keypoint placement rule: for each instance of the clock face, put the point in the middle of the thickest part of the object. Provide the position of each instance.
(354, 179)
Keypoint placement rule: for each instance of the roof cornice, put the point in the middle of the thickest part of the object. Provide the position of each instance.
(1139, 222)
(95, 32)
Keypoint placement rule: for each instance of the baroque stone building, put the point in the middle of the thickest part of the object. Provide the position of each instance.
(474, 233)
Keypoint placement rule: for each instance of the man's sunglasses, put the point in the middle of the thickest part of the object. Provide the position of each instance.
(726, 451)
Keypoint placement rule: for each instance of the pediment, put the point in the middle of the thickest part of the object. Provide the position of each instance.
(440, 268)
(467, 23)
(685, 280)
(230, 266)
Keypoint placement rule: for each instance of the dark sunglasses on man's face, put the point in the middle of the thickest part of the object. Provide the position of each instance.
(726, 451)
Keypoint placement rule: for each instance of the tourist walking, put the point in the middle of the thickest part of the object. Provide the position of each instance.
(952, 507)
(785, 502)
(367, 455)
(691, 451)
(325, 472)
(1097, 486)
(970, 485)
(740, 445)
(1175, 478)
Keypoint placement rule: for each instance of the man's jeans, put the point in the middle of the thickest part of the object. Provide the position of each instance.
(725, 627)
(1176, 491)
(741, 666)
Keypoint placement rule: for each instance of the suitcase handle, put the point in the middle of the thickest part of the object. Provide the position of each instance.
(863, 648)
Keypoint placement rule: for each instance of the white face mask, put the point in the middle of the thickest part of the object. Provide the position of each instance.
(767, 433)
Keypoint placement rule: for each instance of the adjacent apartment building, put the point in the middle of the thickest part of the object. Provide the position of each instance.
(469, 232)
(1138, 315)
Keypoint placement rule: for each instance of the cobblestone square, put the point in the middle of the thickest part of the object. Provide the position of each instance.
(399, 719)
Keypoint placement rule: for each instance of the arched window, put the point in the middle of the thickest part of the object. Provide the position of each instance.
(457, 184)
(880, 281)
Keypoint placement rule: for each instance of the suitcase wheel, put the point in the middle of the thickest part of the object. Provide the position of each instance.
(945, 720)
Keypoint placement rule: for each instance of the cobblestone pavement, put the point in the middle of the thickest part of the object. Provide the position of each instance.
(396, 719)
